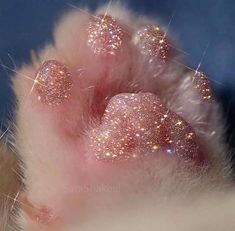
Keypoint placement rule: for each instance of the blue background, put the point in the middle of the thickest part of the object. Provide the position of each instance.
(28, 24)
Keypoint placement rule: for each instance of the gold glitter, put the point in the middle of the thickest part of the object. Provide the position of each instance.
(126, 139)
(107, 154)
(152, 41)
(53, 83)
(155, 147)
(179, 122)
(105, 36)
(190, 135)
(202, 84)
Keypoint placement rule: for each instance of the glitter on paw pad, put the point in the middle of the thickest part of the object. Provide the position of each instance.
(152, 42)
(202, 84)
(153, 48)
(105, 36)
(53, 83)
(138, 125)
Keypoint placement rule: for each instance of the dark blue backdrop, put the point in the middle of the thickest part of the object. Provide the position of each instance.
(27, 24)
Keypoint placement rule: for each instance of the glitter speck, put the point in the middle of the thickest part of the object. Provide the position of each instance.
(155, 147)
(190, 135)
(179, 122)
(170, 150)
(108, 154)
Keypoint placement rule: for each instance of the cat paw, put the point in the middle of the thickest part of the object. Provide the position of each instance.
(109, 118)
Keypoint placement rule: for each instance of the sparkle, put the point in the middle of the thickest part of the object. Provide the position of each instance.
(190, 135)
(105, 36)
(179, 122)
(108, 154)
(170, 150)
(53, 83)
(15, 200)
(155, 147)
